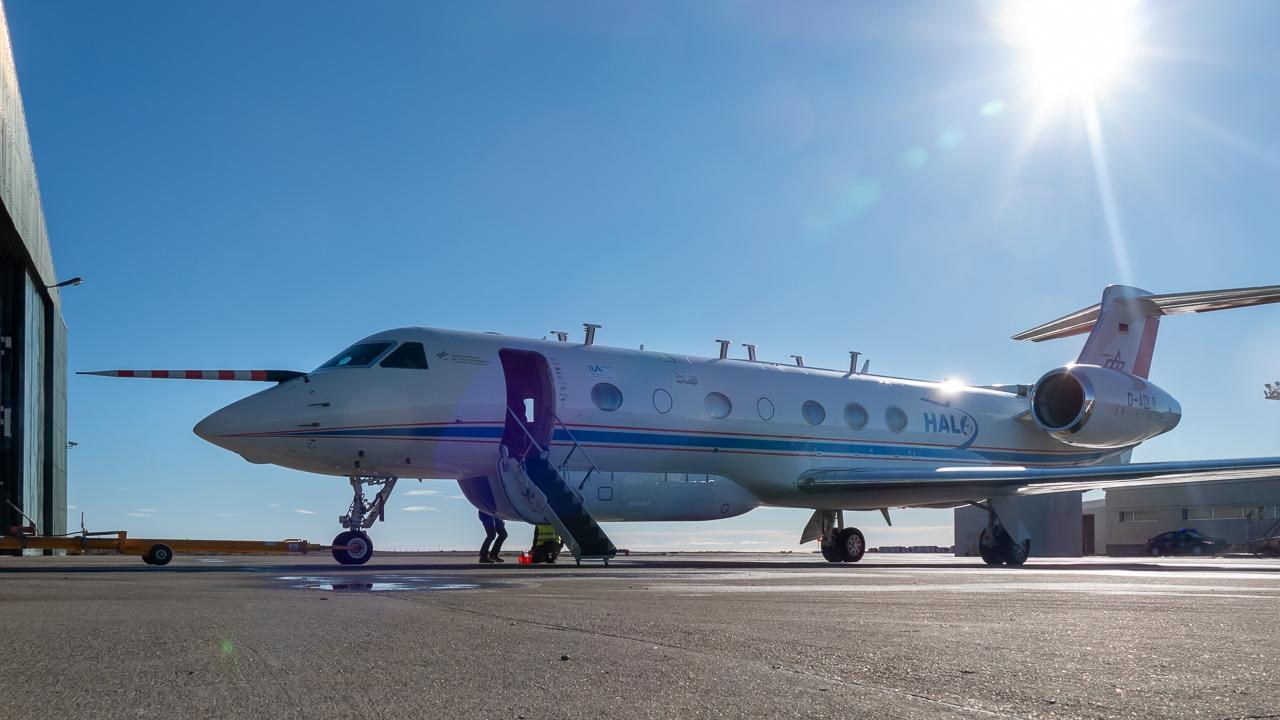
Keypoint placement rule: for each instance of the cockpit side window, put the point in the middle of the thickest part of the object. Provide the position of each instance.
(410, 355)
(358, 355)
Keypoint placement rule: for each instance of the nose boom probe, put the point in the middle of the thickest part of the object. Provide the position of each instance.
(275, 376)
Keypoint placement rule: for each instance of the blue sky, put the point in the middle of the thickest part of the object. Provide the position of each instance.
(258, 184)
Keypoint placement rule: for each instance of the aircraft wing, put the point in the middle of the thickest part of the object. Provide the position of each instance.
(995, 480)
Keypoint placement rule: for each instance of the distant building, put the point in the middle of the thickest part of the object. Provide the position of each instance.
(1094, 535)
(33, 337)
(1237, 512)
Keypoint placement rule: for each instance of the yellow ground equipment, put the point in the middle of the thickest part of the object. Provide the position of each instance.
(152, 551)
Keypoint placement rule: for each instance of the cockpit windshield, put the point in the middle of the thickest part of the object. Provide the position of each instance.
(358, 355)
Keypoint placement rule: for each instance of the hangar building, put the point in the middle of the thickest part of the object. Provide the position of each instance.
(1238, 512)
(33, 337)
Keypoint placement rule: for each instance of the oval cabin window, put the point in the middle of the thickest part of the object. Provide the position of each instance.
(895, 418)
(718, 405)
(855, 416)
(764, 406)
(813, 412)
(662, 401)
(607, 397)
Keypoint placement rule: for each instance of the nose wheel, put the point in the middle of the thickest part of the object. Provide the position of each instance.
(353, 546)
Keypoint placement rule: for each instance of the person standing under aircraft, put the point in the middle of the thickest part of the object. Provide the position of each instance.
(494, 527)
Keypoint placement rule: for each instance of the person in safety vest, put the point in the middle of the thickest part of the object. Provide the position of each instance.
(546, 544)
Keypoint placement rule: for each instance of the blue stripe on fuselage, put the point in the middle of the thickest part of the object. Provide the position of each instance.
(722, 442)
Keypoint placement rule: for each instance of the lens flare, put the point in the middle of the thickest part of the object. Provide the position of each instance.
(1072, 48)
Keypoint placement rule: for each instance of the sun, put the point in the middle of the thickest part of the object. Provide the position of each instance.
(1072, 49)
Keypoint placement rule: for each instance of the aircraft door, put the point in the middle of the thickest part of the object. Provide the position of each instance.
(530, 400)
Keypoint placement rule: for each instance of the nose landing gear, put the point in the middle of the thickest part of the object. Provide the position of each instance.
(353, 546)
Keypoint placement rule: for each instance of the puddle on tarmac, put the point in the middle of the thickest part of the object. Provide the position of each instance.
(379, 583)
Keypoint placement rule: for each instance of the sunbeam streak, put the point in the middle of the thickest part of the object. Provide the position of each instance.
(1102, 174)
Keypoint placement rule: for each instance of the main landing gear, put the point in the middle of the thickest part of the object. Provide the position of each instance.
(996, 546)
(848, 545)
(353, 546)
(838, 543)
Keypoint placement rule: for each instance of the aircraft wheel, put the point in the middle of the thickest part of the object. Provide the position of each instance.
(831, 552)
(851, 543)
(987, 549)
(1017, 553)
(159, 554)
(352, 548)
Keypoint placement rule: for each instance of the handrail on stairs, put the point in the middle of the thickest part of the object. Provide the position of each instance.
(577, 446)
(532, 440)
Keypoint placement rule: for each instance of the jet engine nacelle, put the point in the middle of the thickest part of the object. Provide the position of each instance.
(1094, 407)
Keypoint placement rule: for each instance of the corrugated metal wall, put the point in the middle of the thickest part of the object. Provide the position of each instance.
(36, 454)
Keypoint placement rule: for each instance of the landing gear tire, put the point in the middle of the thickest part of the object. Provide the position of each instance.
(352, 548)
(851, 544)
(988, 551)
(831, 552)
(159, 554)
(1017, 553)
(1002, 549)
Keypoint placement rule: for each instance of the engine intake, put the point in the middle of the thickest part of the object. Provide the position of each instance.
(1094, 407)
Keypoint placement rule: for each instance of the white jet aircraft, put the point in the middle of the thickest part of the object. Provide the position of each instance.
(570, 434)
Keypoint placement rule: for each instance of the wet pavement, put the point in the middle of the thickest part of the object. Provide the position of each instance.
(649, 636)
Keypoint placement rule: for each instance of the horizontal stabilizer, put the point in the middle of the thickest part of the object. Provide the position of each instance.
(1082, 321)
(276, 376)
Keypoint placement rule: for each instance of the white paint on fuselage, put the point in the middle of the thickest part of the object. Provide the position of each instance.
(446, 421)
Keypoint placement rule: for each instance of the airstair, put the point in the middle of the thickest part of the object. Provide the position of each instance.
(559, 502)
(584, 536)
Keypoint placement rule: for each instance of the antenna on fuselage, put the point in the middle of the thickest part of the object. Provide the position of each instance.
(591, 333)
(799, 360)
(724, 348)
(751, 351)
(561, 335)
(853, 362)
(866, 365)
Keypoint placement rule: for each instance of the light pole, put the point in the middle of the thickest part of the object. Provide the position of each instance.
(65, 283)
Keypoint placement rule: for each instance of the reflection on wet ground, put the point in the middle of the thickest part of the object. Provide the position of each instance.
(381, 583)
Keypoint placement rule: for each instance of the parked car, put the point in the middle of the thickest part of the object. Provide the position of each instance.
(1185, 542)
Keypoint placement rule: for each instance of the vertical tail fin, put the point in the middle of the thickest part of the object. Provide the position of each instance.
(1122, 328)
(1124, 335)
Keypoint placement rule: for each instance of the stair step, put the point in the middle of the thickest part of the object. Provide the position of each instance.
(573, 516)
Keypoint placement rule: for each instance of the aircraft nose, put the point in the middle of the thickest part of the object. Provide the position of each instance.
(248, 427)
(221, 425)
